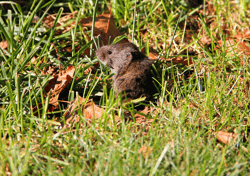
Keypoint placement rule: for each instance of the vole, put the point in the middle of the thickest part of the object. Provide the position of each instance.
(131, 67)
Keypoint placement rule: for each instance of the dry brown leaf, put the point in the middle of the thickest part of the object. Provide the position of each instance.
(55, 87)
(205, 40)
(210, 9)
(154, 56)
(33, 60)
(152, 53)
(145, 151)
(51, 108)
(104, 26)
(233, 43)
(59, 82)
(4, 44)
(244, 48)
(140, 118)
(51, 84)
(180, 60)
(70, 71)
(7, 169)
(92, 111)
(72, 109)
(49, 21)
(89, 110)
(225, 137)
(243, 35)
(91, 69)
(62, 82)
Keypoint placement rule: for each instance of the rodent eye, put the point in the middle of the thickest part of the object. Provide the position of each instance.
(109, 52)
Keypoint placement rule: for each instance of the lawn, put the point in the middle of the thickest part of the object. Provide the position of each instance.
(59, 114)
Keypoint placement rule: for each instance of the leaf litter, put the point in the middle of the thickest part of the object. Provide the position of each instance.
(106, 29)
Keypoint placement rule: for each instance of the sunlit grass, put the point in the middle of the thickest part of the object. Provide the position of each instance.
(210, 95)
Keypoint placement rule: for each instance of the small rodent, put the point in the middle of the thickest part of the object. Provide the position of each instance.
(131, 67)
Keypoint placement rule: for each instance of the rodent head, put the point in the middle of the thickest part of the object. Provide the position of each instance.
(118, 55)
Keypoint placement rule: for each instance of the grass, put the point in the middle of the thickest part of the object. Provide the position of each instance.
(196, 100)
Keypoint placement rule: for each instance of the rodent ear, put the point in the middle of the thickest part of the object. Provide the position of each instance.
(109, 52)
(129, 56)
(136, 55)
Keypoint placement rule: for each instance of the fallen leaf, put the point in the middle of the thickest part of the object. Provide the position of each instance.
(152, 53)
(49, 21)
(72, 108)
(4, 44)
(145, 151)
(235, 45)
(7, 169)
(243, 35)
(33, 60)
(62, 82)
(205, 40)
(225, 137)
(54, 87)
(104, 26)
(180, 60)
(51, 84)
(140, 118)
(154, 56)
(90, 111)
(244, 48)
(59, 82)
(50, 108)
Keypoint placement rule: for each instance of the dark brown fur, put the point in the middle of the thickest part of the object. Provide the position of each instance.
(132, 69)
